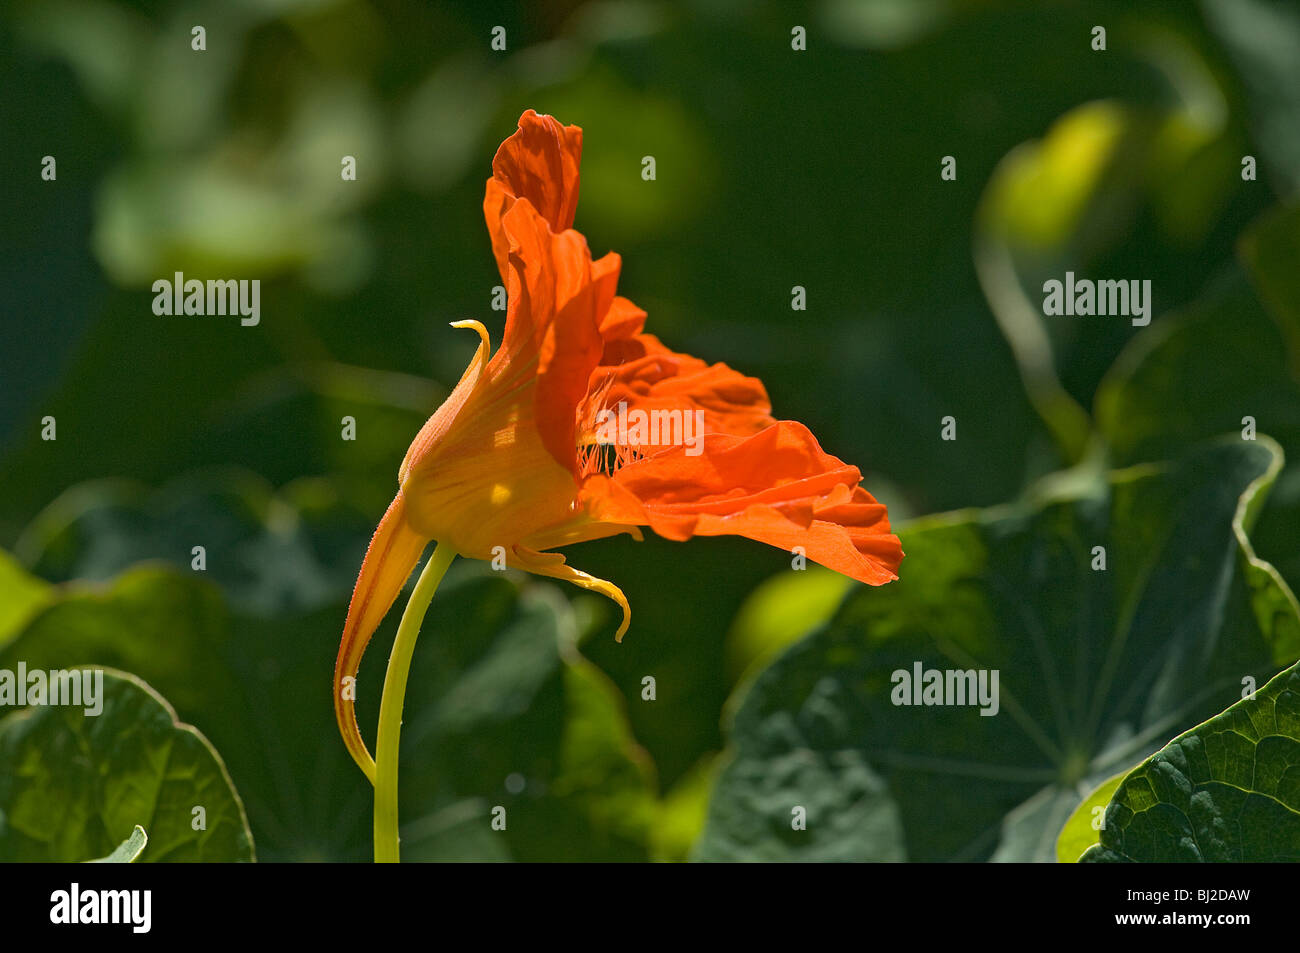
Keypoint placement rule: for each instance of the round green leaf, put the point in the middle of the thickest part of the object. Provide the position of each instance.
(1097, 667)
(75, 783)
(1228, 790)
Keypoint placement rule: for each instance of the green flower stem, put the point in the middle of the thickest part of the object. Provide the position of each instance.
(387, 850)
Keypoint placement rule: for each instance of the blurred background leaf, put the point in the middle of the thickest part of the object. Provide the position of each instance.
(502, 710)
(1224, 358)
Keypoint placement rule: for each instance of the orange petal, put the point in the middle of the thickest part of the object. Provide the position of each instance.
(642, 373)
(538, 163)
(557, 295)
(777, 487)
(782, 463)
(850, 538)
(623, 320)
(393, 552)
(554, 566)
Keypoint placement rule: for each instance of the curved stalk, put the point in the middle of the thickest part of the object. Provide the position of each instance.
(387, 849)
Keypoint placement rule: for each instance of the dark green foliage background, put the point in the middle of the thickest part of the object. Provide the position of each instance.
(775, 168)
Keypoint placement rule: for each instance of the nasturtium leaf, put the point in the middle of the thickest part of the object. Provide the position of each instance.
(779, 612)
(1260, 37)
(602, 771)
(1083, 828)
(497, 690)
(1228, 790)
(1229, 361)
(510, 700)
(1270, 249)
(269, 551)
(1069, 203)
(22, 595)
(682, 813)
(1097, 667)
(127, 852)
(1196, 375)
(74, 783)
(170, 628)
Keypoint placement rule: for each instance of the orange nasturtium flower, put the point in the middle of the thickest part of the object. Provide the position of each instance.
(526, 454)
